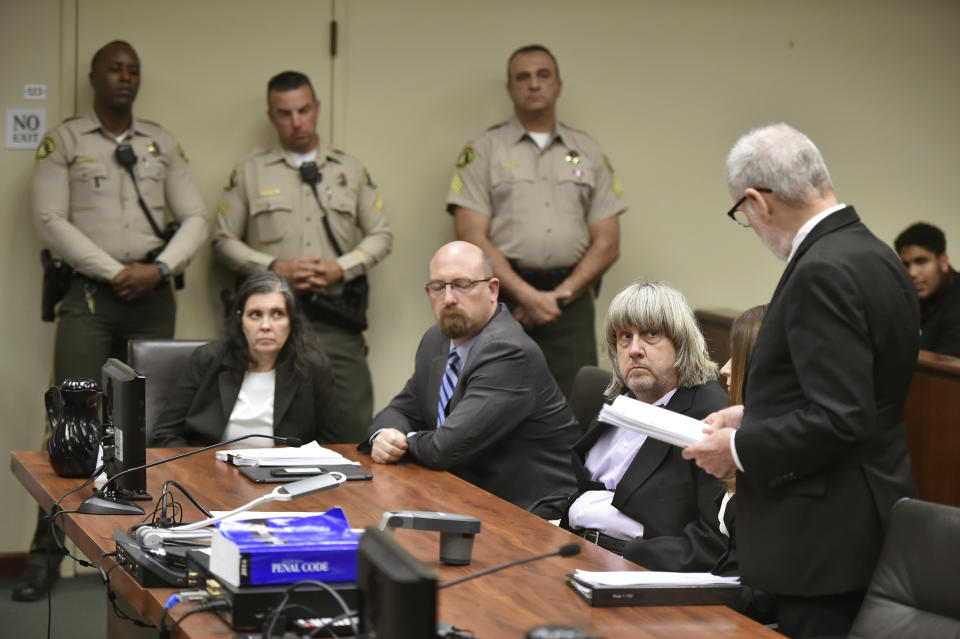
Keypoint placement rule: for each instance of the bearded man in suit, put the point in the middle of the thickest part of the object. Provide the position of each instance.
(481, 402)
(636, 495)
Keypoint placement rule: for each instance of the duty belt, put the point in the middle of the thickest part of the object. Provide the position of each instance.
(545, 279)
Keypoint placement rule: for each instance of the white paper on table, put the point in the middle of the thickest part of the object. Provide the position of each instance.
(312, 454)
(653, 578)
(653, 421)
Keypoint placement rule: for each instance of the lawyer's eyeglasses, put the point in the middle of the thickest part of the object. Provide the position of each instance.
(436, 288)
(739, 216)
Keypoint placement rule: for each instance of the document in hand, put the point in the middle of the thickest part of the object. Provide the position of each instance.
(653, 421)
(312, 454)
(651, 588)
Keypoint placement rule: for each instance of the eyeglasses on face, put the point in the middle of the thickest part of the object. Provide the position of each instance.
(739, 216)
(437, 288)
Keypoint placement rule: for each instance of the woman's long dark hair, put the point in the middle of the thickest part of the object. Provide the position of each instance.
(302, 345)
(743, 335)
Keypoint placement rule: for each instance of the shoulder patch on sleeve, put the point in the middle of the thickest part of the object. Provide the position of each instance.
(222, 206)
(183, 156)
(378, 203)
(368, 179)
(466, 156)
(456, 184)
(46, 148)
(615, 184)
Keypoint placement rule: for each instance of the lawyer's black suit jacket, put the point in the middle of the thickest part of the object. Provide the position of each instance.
(677, 503)
(822, 439)
(508, 431)
(197, 414)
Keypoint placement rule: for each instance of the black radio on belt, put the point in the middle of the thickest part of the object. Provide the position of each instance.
(127, 158)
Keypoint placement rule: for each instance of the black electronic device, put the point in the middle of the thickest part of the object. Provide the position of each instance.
(149, 569)
(276, 475)
(124, 442)
(456, 531)
(397, 593)
(251, 605)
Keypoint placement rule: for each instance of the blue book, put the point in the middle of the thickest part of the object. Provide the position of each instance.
(285, 550)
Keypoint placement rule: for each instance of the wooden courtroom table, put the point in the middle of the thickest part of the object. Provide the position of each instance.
(499, 606)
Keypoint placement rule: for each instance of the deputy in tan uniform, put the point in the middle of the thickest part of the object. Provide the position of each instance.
(542, 201)
(86, 211)
(270, 217)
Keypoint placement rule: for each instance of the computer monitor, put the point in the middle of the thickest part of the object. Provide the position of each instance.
(123, 417)
(397, 593)
(124, 442)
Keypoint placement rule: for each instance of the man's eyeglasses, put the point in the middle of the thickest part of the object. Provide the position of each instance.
(739, 216)
(437, 288)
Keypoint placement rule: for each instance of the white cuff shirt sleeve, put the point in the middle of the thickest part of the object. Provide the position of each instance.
(733, 450)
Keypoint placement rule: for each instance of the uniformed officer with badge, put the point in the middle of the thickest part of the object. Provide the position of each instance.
(91, 173)
(313, 214)
(543, 202)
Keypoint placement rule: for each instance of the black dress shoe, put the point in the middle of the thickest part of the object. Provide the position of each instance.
(36, 581)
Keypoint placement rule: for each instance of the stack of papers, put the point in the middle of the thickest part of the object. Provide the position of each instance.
(311, 454)
(652, 578)
(653, 421)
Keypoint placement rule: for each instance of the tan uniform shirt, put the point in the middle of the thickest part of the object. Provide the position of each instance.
(541, 204)
(268, 212)
(85, 204)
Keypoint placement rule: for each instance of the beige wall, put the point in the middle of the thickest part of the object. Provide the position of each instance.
(666, 87)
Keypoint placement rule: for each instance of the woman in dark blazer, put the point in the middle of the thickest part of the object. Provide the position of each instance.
(268, 376)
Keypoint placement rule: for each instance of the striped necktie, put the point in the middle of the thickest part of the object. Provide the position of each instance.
(450, 376)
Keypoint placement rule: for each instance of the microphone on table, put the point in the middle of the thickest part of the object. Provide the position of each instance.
(105, 501)
(567, 550)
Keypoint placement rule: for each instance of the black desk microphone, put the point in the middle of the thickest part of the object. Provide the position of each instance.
(567, 550)
(103, 505)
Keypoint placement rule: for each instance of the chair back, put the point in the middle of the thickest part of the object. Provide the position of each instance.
(162, 362)
(586, 396)
(914, 588)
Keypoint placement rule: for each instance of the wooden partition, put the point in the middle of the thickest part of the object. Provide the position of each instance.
(715, 326)
(933, 427)
(932, 413)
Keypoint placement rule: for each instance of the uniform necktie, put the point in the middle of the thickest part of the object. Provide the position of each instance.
(449, 382)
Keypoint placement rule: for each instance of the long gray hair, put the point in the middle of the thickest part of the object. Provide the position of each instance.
(657, 306)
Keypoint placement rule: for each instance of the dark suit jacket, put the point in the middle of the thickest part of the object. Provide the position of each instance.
(508, 431)
(677, 503)
(204, 398)
(823, 438)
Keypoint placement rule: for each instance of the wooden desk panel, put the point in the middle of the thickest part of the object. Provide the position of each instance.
(933, 427)
(501, 605)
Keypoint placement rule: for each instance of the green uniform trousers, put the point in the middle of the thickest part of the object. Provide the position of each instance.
(347, 352)
(568, 343)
